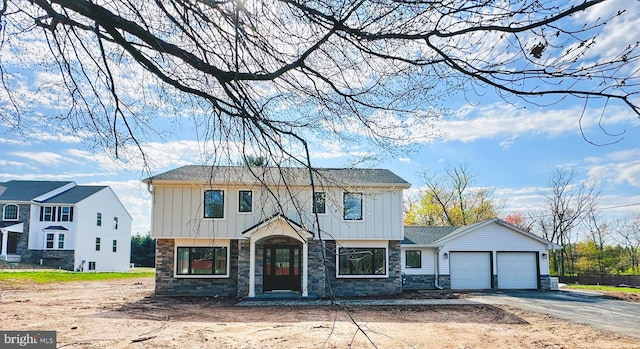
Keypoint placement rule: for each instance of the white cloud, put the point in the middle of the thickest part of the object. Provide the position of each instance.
(45, 158)
(506, 120)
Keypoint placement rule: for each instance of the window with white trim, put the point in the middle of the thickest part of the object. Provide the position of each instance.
(65, 214)
(98, 244)
(362, 261)
(92, 265)
(10, 212)
(201, 260)
(50, 238)
(245, 201)
(114, 246)
(352, 206)
(60, 241)
(115, 223)
(99, 219)
(48, 213)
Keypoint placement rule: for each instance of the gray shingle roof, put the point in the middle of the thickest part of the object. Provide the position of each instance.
(419, 235)
(289, 175)
(27, 190)
(75, 194)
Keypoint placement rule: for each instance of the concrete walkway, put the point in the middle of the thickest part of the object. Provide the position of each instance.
(351, 302)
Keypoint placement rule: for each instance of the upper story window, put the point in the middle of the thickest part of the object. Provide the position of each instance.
(319, 202)
(214, 204)
(99, 219)
(115, 222)
(10, 212)
(56, 214)
(97, 244)
(46, 214)
(413, 259)
(352, 206)
(245, 201)
(114, 246)
(65, 214)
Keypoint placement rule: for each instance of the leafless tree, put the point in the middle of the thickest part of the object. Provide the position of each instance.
(598, 232)
(628, 236)
(271, 76)
(568, 205)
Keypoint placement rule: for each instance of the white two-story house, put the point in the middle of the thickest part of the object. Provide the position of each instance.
(254, 231)
(64, 225)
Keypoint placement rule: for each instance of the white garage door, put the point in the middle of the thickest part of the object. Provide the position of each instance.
(470, 270)
(517, 270)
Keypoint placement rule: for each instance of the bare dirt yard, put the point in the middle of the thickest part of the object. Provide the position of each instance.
(125, 314)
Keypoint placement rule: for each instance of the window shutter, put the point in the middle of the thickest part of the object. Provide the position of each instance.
(58, 209)
(71, 214)
(41, 213)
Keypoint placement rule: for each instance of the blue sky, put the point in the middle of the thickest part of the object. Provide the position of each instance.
(512, 148)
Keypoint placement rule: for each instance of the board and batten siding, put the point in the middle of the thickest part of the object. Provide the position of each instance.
(495, 238)
(178, 212)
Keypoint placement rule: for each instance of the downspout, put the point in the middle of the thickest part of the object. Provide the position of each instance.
(437, 280)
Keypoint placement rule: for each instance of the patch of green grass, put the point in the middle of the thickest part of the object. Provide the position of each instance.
(604, 288)
(50, 276)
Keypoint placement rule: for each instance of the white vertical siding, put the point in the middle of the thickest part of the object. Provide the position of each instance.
(178, 212)
(428, 266)
(494, 238)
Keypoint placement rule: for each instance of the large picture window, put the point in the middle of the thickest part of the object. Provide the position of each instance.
(319, 202)
(413, 259)
(362, 261)
(245, 201)
(10, 212)
(201, 261)
(214, 204)
(352, 205)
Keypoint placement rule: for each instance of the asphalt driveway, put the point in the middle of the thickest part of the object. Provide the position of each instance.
(580, 307)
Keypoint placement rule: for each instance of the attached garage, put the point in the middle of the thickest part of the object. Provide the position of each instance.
(470, 270)
(517, 270)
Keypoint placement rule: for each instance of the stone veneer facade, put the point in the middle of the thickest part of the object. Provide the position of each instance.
(237, 284)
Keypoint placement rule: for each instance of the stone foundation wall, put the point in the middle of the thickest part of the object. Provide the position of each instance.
(418, 282)
(166, 284)
(57, 259)
(545, 282)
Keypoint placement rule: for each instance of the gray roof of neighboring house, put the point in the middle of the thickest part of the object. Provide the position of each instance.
(288, 175)
(75, 194)
(27, 190)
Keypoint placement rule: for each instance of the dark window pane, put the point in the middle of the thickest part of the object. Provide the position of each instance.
(245, 201)
(319, 202)
(362, 261)
(214, 204)
(413, 259)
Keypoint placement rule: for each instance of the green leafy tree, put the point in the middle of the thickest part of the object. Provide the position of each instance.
(451, 200)
(143, 250)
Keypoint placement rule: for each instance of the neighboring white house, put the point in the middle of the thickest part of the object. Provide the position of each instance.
(238, 231)
(64, 225)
